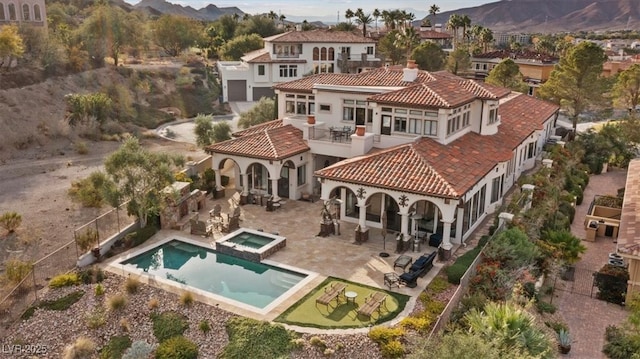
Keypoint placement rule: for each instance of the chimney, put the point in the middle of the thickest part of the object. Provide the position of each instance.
(410, 73)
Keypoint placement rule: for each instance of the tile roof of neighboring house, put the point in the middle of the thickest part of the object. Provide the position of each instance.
(265, 57)
(524, 54)
(380, 77)
(431, 34)
(270, 143)
(485, 91)
(430, 168)
(629, 233)
(258, 128)
(438, 94)
(319, 35)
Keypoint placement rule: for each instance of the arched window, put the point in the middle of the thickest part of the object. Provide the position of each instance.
(316, 54)
(12, 12)
(25, 13)
(2, 16)
(331, 54)
(323, 54)
(36, 13)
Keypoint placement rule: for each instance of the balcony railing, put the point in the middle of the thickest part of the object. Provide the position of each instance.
(330, 135)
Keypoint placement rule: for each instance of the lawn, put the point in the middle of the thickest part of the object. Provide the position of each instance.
(307, 313)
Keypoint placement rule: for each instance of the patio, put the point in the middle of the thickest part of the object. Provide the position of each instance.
(335, 255)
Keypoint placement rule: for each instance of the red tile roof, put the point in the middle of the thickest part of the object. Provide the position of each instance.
(258, 128)
(431, 34)
(319, 35)
(268, 143)
(265, 57)
(485, 91)
(524, 55)
(427, 167)
(437, 94)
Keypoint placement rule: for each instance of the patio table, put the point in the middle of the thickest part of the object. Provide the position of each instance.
(403, 262)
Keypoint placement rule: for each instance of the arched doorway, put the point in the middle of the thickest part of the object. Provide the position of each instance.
(384, 208)
(348, 207)
(283, 181)
(258, 176)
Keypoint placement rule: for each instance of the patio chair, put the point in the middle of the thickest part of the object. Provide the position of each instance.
(423, 264)
(216, 211)
(372, 304)
(200, 228)
(330, 293)
(410, 279)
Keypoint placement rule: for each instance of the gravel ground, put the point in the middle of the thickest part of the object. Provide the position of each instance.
(54, 330)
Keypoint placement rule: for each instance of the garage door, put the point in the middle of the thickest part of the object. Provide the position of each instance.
(237, 90)
(259, 92)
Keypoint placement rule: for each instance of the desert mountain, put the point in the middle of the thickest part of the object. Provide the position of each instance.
(209, 13)
(552, 15)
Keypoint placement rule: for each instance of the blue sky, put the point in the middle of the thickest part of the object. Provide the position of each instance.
(329, 8)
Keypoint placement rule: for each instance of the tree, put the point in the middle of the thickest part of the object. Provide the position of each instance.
(10, 44)
(376, 15)
(208, 132)
(236, 48)
(282, 18)
(390, 48)
(88, 108)
(429, 56)
(433, 10)
(407, 39)
(139, 176)
(458, 60)
(485, 38)
(575, 82)
(454, 23)
(108, 31)
(260, 25)
(349, 15)
(263, 111)
(345, 26)
(175, 34)
(364, 20)
(507, 74)
(626, 91)
(221, 132)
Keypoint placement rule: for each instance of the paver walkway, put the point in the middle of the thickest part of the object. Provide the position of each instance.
(588, 317)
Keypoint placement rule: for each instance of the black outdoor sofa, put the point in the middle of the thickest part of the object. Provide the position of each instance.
(418, 269)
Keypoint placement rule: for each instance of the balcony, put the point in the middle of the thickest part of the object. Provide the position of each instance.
(350, 63)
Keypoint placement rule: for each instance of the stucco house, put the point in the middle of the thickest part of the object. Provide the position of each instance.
(628, 238)
(534, 66)
(432, 152)
(290, 56)
(32, 12)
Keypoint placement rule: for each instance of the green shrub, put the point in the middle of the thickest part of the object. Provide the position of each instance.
(250, 338)
(544, 307)
(62, 303)
(139, 350)
(82, 348)
(177, 347)
(88, 191)
(86, 275)
(383, 335)
(99, 290)
(568, 210)
(557, 326)
(392, 349)
(100, 275)
(612, 283)
(97, 318)
(168, 324)
(619, 344)
(115, 347)
(64, 280)
(455, 272)
(16, 270)
(87, 240)
(438, 285)
(186, 299)
(117, 302)
(10, 221)
(204, 326)
(132, 285)
(421, 324)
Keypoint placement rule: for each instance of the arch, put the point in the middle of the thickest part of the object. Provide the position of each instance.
(26, 13)
(349, 207)
(285, 178)
(37, 15)
(258, 176)
(430, 213)
(316, 54)
(383, 209)
(12, 12)
(332, 54)
(2, 15)
(323, 54)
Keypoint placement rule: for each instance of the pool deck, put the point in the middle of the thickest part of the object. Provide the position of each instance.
(335, 255)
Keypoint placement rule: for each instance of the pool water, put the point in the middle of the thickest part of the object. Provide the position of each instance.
(251, 240)
(251, 283)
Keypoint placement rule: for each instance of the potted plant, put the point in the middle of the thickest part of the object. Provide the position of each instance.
(564, 341)
(311, 119)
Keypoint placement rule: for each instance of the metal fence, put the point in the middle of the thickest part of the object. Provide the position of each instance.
(102, 227)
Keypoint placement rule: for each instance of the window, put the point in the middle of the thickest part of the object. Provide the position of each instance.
(302, 175)
(531, 150)
(348, 113)
(369, 50)
(459, 119)
(299, 104)
(356, 110)
(325, 108)
(430, 128)
(288, 70)
(36, 13)
(260, 70)
(25, 13)
(287, 50)
(316, 54)
(493, 115)
(495, 189)
(400, 124)
(415, 126)
(2, 16)
(12, 12)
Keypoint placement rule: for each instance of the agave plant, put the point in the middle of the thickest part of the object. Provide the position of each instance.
(564, 341)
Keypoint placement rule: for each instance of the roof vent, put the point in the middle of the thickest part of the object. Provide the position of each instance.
(410, 73)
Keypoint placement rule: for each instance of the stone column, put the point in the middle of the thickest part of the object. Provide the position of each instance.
(245, 184)
(459, 221)
(528, 188)
(362, 219)
(446, 235)
(274, 189)
(504, 218)
(219, 190)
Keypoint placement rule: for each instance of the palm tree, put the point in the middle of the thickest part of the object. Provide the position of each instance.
(348, 15)
(433, 10)
(245, 17)
(281, 18)
(455, 22)
(236, 16)
(272, 15)
(407, 38)
(364, 20)
(376, 14)
(465, 22)
(486, 38)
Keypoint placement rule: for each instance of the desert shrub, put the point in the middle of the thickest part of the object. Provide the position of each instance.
(64, 280)
(99, 290)
(88, 191)
(421, 324)
(177, 347)
(140, 236)
(250, 338)
(186, 299)
(392, 349)
(317, 342)
(117, 302)
(115, 347)
(204, 326)
(168, 324)
(557, 326)
(139, 350)
(10, 221)
(88, 239)
(62, 303)
(153, 303)
(124, 325)
(132, 285)
(512, 249)
(612, 283)
(82, 348)
(438, 285)
(100, 275)
(96, 318)
(384, 334)
(81, 147)
(568, 210)
(544, 307)
(86, 275)
(620, 345)
(16, 270)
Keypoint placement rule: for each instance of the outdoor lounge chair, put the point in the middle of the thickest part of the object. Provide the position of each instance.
(423, 264)
(410, 279)
(330, 293)
(372, 304)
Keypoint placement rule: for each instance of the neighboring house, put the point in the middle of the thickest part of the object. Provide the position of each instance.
(32, 12)
(628, 239)
(292, 55)
(505, 39)
(431, 145)
(437, 36)
(535, 67)
(612, 67)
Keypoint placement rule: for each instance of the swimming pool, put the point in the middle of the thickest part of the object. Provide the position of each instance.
(250, 244)
(251, 240)
(244, 281)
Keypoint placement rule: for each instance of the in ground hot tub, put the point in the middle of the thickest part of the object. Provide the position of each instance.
(250, 244)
